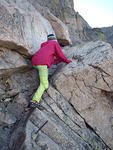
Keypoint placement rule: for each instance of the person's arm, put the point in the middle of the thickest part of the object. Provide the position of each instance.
(60, 55)
(57, 60)
(42, 45)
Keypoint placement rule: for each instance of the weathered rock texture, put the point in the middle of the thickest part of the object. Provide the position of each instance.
(79, 29)
(22, 29)
(90, 78)
(59, 27)
(95, 34)
(108, 31)
(78, 103)
(64, 10)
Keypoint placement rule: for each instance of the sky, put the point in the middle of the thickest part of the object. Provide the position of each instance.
(98, 13)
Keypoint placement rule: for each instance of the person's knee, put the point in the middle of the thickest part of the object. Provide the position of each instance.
(46, 85)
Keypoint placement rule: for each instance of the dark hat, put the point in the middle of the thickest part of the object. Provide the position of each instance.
(51, 36)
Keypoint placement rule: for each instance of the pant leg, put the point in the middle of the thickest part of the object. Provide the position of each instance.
(43, 75)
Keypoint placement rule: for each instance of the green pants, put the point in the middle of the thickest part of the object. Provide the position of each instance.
(43, 75)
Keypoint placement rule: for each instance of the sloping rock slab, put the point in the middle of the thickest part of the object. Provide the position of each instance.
(87, 83)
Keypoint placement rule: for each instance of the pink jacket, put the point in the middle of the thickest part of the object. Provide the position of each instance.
(50, 53)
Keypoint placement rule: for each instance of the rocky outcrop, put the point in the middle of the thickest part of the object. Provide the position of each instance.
(59, 27)
(80, 31)
(77, 93)
(78, 104)
(22, 30)
(65, 128)
(90, 80)
(95, 34)
(11, 61)
(64, 10)
(108, 31)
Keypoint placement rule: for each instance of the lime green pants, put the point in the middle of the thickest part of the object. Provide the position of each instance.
(43, 75)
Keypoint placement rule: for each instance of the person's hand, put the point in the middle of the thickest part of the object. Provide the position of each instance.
(68, 61)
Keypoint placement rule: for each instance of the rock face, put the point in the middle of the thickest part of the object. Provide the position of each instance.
(77, 110)
(10, 61)
(108, 31)
(59, 27)
(79, 29)
(22, 29)
(64, 10)
(78, 103)
(95, 34)
(91, 81)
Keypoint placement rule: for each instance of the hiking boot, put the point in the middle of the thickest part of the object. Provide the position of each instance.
(34, 104)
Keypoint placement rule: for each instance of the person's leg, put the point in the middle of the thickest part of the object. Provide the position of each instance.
(43, 75)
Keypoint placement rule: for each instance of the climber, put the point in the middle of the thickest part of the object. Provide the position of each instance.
(50, 53)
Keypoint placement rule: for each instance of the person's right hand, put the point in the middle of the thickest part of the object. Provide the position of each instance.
(68, 61)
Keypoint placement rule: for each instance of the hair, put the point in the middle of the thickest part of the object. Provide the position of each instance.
(51, 37)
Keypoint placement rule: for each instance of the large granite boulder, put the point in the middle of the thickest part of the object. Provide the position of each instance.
(87, 84)
(64, 10)
(59, 27)
(22, 28)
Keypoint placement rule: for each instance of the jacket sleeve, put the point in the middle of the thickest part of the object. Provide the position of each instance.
(57, 60)
(60, 55)
(43, 44)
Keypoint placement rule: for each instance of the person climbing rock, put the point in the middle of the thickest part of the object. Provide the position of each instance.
(49, 53)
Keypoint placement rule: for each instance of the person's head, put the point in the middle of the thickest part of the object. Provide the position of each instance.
(51, 37)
